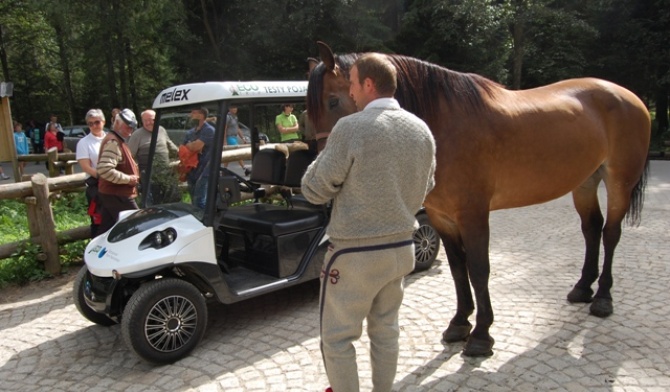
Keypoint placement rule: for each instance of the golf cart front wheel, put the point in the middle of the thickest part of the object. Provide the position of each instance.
(164, 320)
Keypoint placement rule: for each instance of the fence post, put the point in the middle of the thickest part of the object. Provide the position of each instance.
(52, 157)
(47, 226)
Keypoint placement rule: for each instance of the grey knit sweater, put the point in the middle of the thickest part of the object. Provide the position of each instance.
(377, 167)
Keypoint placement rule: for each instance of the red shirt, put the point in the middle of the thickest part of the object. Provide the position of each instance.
(50, 140)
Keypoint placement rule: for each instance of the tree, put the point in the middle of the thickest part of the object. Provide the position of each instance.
(467, 35)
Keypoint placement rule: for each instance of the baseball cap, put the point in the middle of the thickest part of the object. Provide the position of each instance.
(128, 117)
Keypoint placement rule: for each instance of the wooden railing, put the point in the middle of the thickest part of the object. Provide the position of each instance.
(36, 194)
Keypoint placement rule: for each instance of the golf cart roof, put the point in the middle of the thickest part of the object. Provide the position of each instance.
(195, 93)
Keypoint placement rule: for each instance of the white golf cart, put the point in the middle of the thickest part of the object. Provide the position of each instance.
(155, 270)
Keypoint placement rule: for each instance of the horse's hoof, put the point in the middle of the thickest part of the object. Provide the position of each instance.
(578, 295)
(602, 307)
(456, 333)
(478, 347)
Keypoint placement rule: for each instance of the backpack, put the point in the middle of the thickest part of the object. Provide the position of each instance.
(60, 136)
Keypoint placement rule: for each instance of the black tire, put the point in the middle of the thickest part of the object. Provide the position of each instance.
(426, 244)
(78, 298)
(164, 320)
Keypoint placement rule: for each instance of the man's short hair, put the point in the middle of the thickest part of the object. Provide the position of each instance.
(380, 70)
(202, 110)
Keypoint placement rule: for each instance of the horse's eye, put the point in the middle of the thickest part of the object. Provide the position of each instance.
(332, 102)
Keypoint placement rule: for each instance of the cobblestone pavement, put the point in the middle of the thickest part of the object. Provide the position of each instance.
(543, 343)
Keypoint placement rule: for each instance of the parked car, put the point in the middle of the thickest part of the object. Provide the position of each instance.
(74, 133)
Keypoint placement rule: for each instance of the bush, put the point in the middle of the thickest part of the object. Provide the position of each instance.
(69, 212)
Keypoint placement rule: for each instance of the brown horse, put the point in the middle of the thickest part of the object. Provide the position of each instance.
(500, 149)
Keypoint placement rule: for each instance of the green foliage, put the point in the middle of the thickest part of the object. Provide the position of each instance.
(66, 56)
(69, 212)
(22, 267)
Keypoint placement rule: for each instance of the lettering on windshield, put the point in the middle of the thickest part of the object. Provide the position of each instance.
(175, 95)
(252, 89)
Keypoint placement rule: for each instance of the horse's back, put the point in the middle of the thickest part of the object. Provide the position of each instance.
(532, 146)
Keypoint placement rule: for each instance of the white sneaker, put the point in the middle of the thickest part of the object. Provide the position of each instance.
(5, 177)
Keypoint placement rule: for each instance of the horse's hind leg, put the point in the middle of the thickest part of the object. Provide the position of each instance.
(586, 203)
(619, 195)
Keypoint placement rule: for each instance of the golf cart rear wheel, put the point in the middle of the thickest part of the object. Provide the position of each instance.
(164, 320)
(426, 244)
(78, 290)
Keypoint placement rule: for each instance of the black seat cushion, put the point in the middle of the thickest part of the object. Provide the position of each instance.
(268, 167)
(296, 165)
(272, 219)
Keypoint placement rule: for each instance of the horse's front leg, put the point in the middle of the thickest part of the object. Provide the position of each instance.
(475, 234)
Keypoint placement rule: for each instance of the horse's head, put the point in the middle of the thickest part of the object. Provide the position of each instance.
(328, 97)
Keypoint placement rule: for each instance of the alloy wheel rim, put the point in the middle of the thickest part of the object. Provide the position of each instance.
(171, 323)
(425, 244)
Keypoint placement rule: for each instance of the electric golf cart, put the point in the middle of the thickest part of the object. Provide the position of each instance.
(157, 268)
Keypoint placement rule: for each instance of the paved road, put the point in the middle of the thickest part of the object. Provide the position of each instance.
(271, 343)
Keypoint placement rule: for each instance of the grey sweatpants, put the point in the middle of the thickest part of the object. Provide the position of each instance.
(363, 279)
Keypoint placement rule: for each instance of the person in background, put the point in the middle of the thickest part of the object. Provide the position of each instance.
(88, 150)
(232, 132)
(139, 144)
(21, 143)
(199, 140)
(53, 121)
(51, 140)
(115, 112)
(287, 124)
(371, 250)
(118, 174)
(37, 138)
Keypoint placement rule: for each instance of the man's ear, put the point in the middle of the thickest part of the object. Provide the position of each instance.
(369, 85)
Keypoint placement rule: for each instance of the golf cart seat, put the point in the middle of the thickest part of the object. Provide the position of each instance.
(269, 168)
(270, 238)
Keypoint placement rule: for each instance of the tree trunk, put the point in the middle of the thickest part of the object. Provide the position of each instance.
(65, 64)
(3, 57)
(131, 78)
(662, 108)
(107, 31)
(216, 49)
(517, 56)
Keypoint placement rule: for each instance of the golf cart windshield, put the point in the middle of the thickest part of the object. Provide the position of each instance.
(190, 142)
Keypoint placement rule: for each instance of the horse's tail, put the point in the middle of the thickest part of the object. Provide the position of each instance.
(634, 214)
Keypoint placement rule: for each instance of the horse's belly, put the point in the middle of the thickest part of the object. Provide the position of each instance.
(535, 186)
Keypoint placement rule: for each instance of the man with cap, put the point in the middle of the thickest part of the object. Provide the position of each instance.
(118, 173)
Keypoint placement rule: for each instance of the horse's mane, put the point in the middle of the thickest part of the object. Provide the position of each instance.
(420, 85)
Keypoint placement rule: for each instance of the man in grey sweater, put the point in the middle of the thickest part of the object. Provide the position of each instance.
(377, 168)
(163, 184)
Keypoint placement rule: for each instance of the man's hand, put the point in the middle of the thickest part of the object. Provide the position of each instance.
(133, 180)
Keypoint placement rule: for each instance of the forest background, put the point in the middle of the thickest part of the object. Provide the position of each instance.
(66, 56)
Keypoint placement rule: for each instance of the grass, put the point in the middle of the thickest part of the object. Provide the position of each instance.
(69, 212)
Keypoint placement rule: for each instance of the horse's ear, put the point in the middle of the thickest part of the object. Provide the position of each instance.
(312, 63)
(326, 55)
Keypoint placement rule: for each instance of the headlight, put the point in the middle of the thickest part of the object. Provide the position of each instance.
(159, 239)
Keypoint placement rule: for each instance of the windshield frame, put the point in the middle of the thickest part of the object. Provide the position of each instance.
(222, 105)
